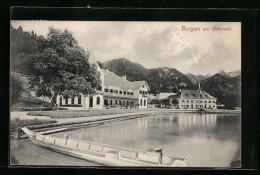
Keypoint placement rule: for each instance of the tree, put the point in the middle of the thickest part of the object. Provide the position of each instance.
(60, 67)
(175, 102)
(16, 89)
(166, 102)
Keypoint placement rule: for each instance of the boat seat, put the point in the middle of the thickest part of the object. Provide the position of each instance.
(107, 149)
(60, 141)
(72, 143)
(167, 160)
(83, 146)
(148, 158)
(49, 139)
(128, 154)
(95, 148)
(39, 136)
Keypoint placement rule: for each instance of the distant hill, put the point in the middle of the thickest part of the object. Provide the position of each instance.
(227, 89)
(196, 79)
(229, 74)
(234, 73)
(159, 79)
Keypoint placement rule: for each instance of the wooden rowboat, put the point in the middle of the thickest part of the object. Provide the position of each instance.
(103, 154)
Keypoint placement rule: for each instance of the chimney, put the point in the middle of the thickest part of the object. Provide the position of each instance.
(124, 77)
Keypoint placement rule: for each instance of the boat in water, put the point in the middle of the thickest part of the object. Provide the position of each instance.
(103, 154)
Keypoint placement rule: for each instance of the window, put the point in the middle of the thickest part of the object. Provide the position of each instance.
(183, 101)
(209, 101)
(143, 86)
(116, 102)
(111, 90)
(72, 101)
(117, 91)
(106, 90)
(127, 103)
(209, 105)
(144, 102)
(214, 101)
(60, 100)
(187, 100)
(201, 101)
(191, 101)
(128, 93)
(120, 101)
(79, 100)
(141, 101)
(66, 100)
(120, 92)
(125, 92)
(98, 100)
(140, 92)
(205, 101)
(111, 102)
(214, 106)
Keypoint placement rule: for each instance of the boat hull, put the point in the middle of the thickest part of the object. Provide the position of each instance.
(114, 157)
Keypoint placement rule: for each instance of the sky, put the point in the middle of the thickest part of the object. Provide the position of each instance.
(155, 44)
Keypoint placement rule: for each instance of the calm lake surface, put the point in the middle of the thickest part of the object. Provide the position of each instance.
(208, 140)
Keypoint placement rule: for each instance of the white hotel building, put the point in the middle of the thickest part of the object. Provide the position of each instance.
(114, 92)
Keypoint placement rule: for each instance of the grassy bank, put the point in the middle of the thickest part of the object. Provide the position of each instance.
(15, 124)
(76, 114)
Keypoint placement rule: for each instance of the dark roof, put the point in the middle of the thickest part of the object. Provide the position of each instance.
(111, 79)
(139, 84)
(162, 96)
(175, 96)
(194, 94)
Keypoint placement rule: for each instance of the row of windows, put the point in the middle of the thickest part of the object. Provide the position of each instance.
(118, 102)
(198, 101)
(72, 100)
(120, 92)
(198, 106)
(143, 92)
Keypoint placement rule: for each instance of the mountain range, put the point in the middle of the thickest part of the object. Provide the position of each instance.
(225, 86)
(162, 79)
(196, 79)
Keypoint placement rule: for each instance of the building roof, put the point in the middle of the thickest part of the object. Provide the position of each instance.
(175, 96)
(111, 79)
(162, 96)
(194, 94)
(139, 84)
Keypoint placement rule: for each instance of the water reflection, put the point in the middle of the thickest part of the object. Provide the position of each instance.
(209, 140)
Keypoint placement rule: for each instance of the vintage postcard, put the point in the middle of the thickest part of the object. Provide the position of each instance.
(125, 93)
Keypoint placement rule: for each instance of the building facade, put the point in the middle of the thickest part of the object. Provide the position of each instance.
(114, 92)
(192, 99)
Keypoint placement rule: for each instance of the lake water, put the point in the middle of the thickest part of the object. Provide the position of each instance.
(208, 140)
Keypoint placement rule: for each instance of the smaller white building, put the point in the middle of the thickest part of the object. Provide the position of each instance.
(192, 99)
